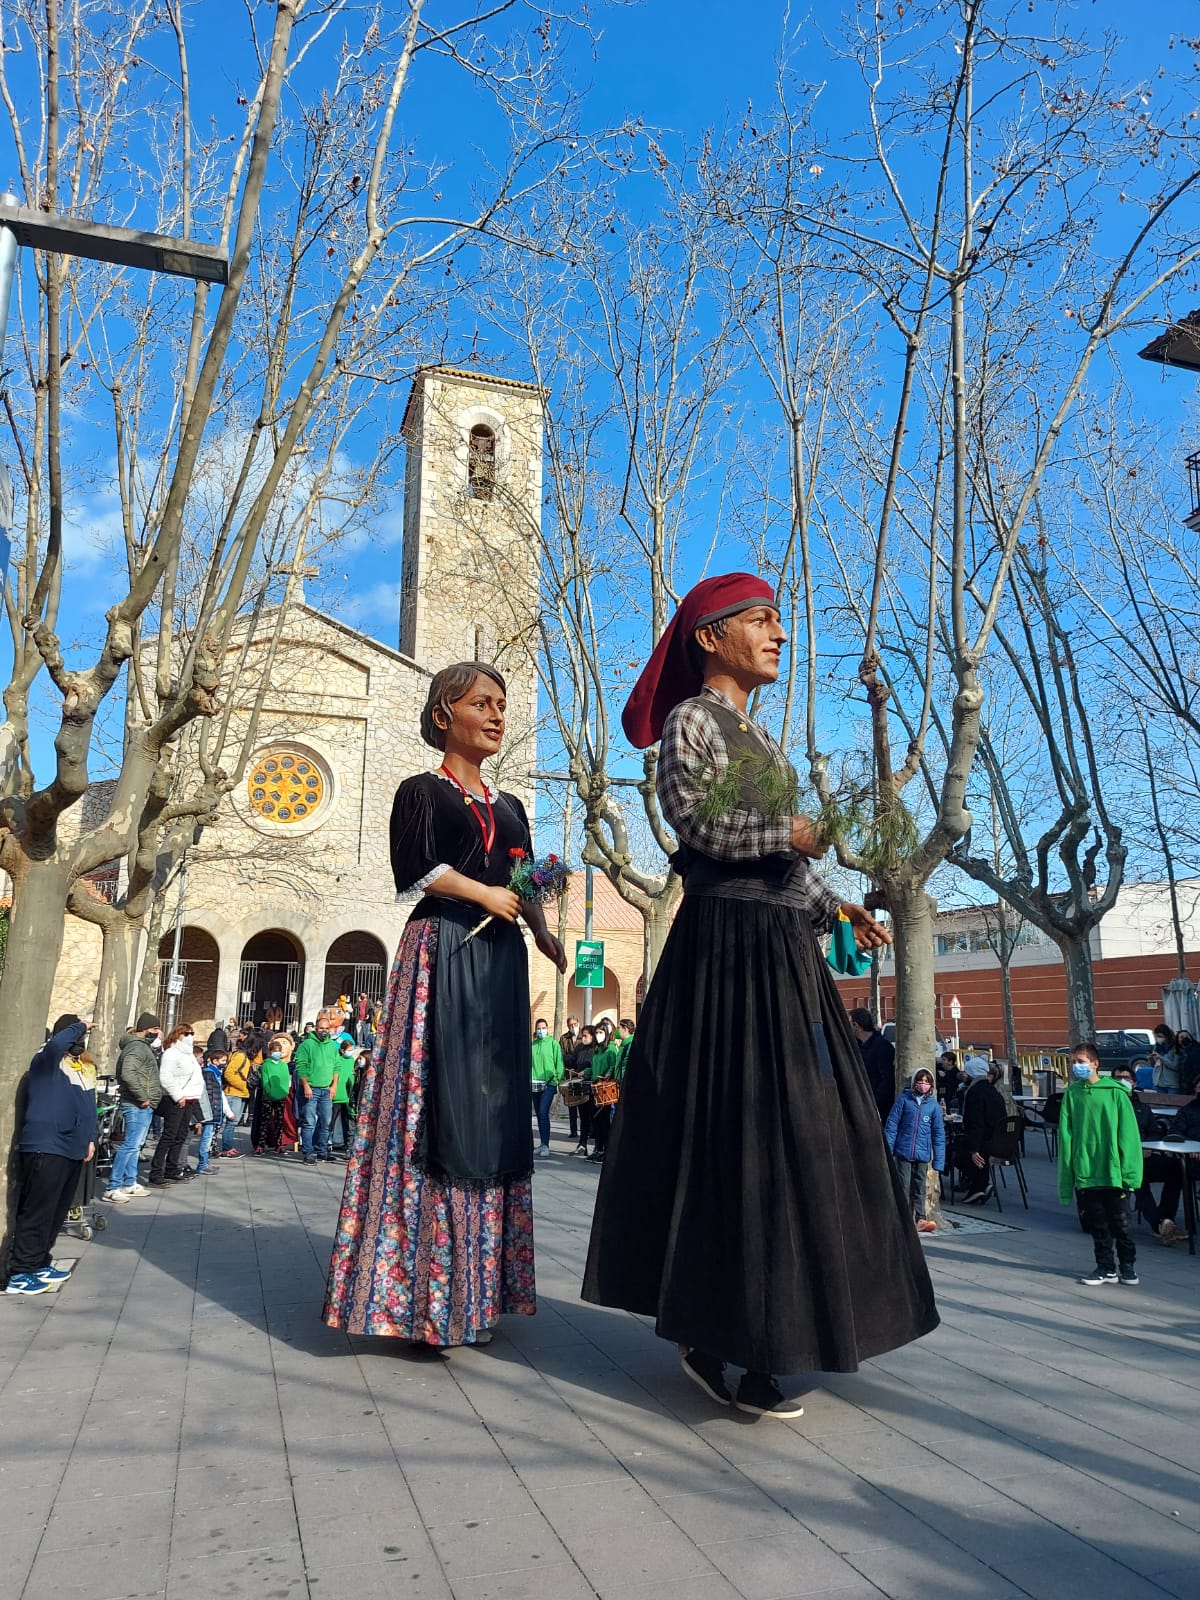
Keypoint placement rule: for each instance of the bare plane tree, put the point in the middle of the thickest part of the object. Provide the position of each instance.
(331, 221)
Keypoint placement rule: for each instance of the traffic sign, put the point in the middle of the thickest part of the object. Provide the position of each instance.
(955, 1007)
(589, 963)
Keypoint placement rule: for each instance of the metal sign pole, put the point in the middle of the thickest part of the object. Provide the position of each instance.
(588, 909)
(175, 977)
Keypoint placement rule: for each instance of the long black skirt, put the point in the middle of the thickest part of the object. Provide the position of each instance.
(748, 1202)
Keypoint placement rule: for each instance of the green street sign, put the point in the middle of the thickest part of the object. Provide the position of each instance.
(589, 963)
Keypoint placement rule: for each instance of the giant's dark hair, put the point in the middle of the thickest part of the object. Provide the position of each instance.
(449, 685)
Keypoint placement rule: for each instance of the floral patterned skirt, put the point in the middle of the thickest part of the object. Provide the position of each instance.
(415, 1257)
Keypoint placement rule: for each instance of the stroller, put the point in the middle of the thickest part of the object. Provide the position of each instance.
(85, 1218)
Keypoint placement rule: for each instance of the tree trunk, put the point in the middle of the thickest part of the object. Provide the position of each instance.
(114, 991)
(912, 913)
(1081, 998)
(1010, 1021)
(912, 928)
(656, 925)
(147, 995)
(34, 945)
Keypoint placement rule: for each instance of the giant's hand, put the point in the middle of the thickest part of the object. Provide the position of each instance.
(806, 838)
(551, 948)
(868, 934)
(501, 903)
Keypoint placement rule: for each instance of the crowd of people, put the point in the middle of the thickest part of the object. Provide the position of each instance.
(572, 1066)
(295, 1092)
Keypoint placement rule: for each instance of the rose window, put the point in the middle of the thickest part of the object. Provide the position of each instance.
(285, 786)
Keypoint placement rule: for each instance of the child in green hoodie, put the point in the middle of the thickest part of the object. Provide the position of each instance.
(1100, 1155)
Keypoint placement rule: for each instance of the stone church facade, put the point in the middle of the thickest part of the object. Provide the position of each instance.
(289, 898)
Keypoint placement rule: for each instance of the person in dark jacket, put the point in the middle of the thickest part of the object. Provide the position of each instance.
(983, 1115)
(58, 1135)
(879, 1058)
(1156, 1167)
(915, 1133)
(140, 1089)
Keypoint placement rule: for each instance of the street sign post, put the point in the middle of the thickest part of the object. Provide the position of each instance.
(589, 963)
(956, 1013)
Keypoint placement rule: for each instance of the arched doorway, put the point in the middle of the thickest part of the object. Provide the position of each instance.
(355, 963)
(605, 1002)
(272, 974)
(199, 967)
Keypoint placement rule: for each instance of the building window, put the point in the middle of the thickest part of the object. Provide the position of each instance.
(481, 462)
(286, 786)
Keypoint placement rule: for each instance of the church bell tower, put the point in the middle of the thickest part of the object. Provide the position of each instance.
(472, 533)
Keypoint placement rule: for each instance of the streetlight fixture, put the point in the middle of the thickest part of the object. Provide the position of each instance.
(94, 241)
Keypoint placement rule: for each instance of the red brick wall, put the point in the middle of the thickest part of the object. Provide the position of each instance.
(1123, 986)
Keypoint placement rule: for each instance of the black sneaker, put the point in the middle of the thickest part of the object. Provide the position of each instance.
(1128, 1275)
(310, 1161)
(709, 1374)
(1094, 1278)
(759, 1394)
(157, 1183)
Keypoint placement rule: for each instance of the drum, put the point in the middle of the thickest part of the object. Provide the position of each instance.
(575, 1093)
(605, 1092)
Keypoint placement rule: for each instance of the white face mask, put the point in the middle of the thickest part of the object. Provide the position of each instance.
(541, 1033)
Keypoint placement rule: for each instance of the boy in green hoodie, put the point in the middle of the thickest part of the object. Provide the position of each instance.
(1100, 1155)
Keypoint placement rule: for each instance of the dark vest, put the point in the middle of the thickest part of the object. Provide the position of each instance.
(741, 880)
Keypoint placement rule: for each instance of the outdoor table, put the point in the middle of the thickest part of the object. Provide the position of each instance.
(1183, 1149)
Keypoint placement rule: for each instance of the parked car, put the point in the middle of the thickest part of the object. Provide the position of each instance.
(1124, 1047)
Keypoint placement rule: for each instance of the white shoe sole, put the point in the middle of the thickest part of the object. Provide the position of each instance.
(702, 1383)
(779, 1416)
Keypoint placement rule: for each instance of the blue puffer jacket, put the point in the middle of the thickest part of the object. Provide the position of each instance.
(916, 1130)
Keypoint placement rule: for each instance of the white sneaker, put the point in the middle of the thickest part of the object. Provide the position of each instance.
(542, 1150)
(136, 1189)
(118, 1197)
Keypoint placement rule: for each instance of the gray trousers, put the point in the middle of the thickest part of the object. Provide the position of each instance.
(912, 1177)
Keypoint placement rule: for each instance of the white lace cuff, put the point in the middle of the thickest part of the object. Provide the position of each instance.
(423, 883)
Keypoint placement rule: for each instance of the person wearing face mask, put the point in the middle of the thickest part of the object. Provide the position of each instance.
(343, 1096)
(915, 1133)
(983, 1116)
(548, 1071)
(268, 1133)
(1166, 1060)
(1100, 1159)
(140, 1090)
(216, 1059)
(585, 1053)
(182, 1079)
(318, 1060)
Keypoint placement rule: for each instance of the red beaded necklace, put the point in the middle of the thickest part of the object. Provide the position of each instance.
(487, 830)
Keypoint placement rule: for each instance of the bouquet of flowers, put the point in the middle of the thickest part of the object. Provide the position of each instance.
(537, 881)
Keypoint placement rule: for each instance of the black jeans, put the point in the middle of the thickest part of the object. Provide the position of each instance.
(1158, 1168)
(170, 1156)
(48, 1186)
(1105, 1214)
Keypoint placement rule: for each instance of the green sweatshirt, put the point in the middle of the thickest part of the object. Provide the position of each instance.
(1099, 1146)
(341, 1095)
(623, 1047)
(548, 1060)
(604, 1063)
(317, 1061)
(276, 1079)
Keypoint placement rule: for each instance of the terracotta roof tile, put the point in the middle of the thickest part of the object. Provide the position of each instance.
(610, 914)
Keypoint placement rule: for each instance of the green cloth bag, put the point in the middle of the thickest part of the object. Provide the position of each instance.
(844, 955)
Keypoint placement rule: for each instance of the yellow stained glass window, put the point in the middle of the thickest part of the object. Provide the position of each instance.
(284, 787)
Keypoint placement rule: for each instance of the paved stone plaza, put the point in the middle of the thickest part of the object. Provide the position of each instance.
(177, 1421)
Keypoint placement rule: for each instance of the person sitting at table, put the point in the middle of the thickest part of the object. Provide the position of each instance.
(983, 1115)
(1159, 1215)
(949, 1079)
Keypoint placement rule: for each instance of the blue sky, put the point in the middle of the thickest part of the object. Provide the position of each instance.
(679, 68)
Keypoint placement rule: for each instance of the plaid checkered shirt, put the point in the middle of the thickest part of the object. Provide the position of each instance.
(691, 757)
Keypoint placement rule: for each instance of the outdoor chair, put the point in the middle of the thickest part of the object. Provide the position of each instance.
(1004, 1150)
